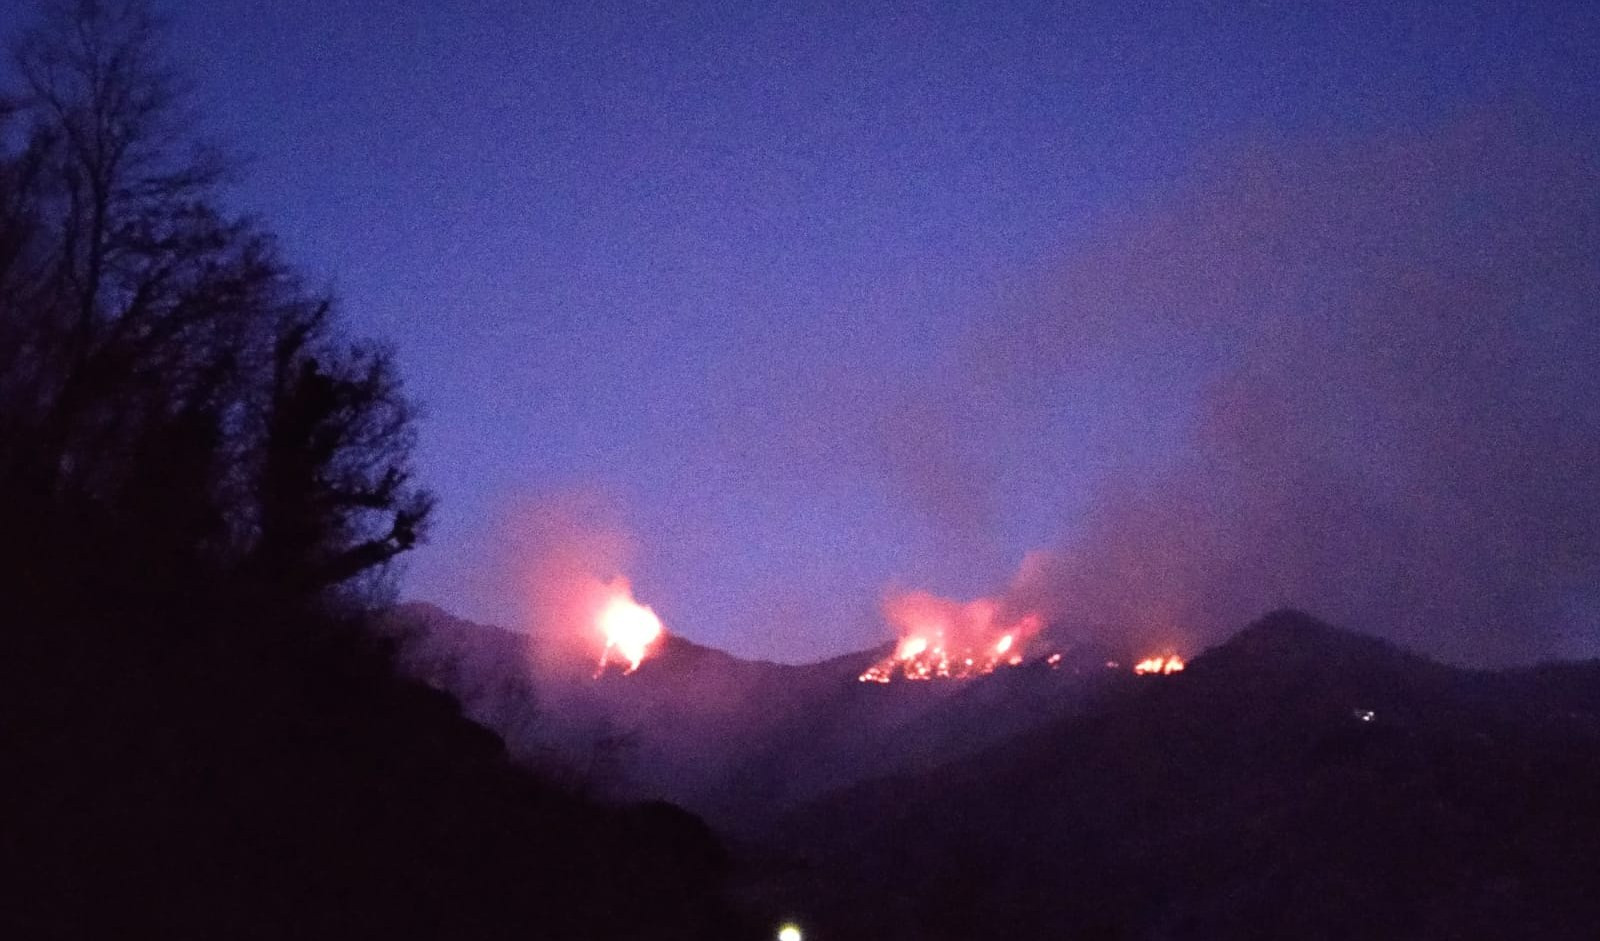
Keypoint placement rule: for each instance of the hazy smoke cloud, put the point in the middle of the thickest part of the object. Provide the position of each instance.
(1390, 351)
(1361, 377)
(548, 563)
(962, 628)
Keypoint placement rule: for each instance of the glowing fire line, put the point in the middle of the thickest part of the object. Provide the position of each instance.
(920, 658)
(1171, 663)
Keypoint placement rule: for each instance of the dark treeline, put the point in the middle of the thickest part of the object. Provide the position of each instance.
(203, 482)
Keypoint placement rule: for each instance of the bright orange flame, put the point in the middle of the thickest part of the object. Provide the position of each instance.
(945, 639)
(628, 628)
(1171, 663)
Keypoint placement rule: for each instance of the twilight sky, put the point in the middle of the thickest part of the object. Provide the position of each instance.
(761, 285)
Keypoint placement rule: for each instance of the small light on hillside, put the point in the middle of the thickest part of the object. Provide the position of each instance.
(1365, 715)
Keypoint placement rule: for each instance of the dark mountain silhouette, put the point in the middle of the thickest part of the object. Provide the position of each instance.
(1297, 781)
(736, 740)
(274, 789)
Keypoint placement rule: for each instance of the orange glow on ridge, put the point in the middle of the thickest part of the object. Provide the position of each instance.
(1171, 663)
(628, 628)
(944, 639)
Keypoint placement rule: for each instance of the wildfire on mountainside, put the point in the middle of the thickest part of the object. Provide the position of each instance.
(628, 628)
(943, 639)
(940, 639)
(1159, 665)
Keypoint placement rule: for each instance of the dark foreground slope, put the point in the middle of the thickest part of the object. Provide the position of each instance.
(1298, 781)
(256, 776)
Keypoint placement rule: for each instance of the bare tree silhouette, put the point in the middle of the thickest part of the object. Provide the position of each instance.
(147, 324)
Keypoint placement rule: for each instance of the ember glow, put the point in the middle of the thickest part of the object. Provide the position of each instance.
(629, 629)
(944, 639)
(1171, 663)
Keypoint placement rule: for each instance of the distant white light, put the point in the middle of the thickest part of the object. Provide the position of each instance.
(789, 933)
(1366, 715)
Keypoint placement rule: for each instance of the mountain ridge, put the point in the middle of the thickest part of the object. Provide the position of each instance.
(1239, 794)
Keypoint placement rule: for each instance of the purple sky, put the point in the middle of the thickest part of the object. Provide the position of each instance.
(728, 271)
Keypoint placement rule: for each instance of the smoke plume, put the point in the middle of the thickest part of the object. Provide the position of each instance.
(1387, 358)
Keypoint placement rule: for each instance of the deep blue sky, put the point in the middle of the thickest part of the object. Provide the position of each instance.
(709, 261)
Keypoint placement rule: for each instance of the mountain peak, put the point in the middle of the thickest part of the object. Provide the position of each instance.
(1294, 641)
